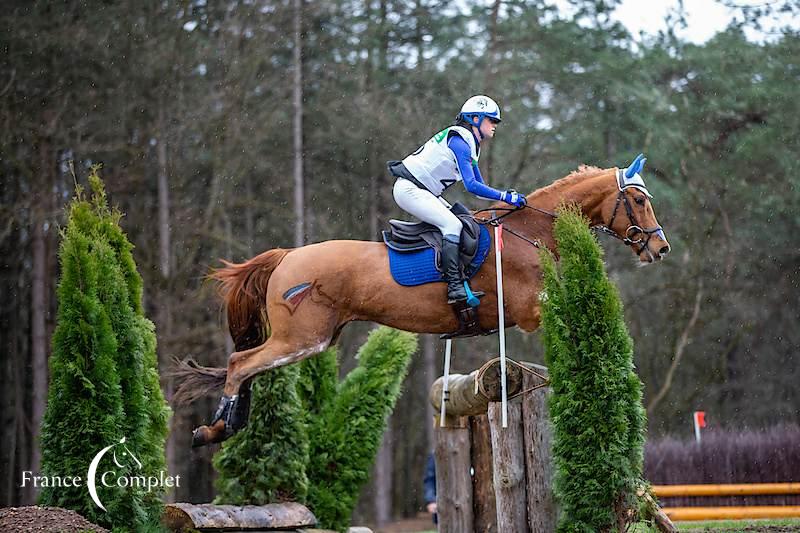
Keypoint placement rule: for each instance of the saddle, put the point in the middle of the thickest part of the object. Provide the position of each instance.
(409, 237)
(413, 236)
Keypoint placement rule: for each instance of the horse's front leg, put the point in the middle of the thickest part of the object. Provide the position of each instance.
(523, 304)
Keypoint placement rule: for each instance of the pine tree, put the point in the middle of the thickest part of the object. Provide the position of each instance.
(104, 380)
(596, 405)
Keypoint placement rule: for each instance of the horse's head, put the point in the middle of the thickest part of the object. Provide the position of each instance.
(629, 215)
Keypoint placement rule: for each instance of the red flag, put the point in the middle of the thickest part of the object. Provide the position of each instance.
(500, 236)
(700, 418)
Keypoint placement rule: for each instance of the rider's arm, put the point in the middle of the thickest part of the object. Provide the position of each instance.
(471, 176)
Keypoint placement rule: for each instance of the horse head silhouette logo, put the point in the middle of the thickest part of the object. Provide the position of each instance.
(125, 458)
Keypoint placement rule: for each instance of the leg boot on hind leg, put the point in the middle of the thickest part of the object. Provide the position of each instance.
(231, 416)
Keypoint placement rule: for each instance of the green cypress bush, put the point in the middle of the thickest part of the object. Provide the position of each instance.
(103, 355)
(266, 461)
(319, 376)
(346, 435)
(84, 404)
(312, 439)
(596, 405)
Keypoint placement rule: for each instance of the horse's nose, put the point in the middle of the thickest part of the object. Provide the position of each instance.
(664, 250)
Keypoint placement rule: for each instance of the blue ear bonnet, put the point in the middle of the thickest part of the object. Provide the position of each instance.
(631, 177)
(636, 167)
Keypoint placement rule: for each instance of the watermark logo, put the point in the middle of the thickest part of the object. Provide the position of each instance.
(91, 475)
(128, 475)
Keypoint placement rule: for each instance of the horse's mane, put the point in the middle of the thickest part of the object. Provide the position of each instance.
(582, 173)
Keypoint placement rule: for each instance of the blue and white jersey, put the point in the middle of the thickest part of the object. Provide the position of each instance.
(434, 164)
(450, 156)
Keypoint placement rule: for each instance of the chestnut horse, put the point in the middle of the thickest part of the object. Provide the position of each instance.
(287, 305)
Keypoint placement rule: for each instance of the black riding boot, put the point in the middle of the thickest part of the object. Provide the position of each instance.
(451, 268)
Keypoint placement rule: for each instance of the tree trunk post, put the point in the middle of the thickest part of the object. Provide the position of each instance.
(542, 512)
(509, 467)
(483, 500)
(453, 480)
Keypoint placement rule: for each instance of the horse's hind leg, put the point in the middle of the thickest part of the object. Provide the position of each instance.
(231, 415)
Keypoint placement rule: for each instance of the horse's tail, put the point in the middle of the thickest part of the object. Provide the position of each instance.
(244, 290)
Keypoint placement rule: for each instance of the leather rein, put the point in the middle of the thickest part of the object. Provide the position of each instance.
(633, 229)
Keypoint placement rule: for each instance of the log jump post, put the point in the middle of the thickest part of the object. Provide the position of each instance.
(491, 478)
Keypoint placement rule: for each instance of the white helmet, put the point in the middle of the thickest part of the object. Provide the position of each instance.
(481, 107)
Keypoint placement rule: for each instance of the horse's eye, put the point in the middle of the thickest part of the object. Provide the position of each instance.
(640, 200)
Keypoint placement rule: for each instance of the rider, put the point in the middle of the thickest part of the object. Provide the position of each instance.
(447, 157)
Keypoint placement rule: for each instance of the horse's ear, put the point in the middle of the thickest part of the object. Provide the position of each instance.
(635, 167)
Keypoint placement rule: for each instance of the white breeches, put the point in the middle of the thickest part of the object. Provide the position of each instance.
(426, 207)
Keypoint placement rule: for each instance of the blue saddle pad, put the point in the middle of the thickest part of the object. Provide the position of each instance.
(418, 268)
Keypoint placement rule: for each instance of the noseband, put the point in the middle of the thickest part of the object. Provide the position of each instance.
(633, 229)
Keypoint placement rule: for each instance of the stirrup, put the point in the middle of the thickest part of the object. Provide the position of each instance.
(471, 298)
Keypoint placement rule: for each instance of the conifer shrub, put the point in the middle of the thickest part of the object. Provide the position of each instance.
(311, 438)
(266, 461)
(345, 437)
(104, 382)
(596, 405)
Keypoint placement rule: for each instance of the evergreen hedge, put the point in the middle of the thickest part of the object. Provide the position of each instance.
(346, 435)
(104, 383)
(311, 438)
(596, 405)
(266, 461)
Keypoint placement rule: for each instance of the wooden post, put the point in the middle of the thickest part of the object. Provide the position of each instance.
(483, 501)
(542, 513)
(452, 452)
(509, 467)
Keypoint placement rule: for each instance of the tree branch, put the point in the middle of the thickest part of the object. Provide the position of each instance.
(680, 347)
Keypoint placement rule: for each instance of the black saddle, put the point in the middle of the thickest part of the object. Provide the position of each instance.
(412, 236)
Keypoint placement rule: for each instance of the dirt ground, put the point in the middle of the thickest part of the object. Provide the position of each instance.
(44, 520)
(422, 522)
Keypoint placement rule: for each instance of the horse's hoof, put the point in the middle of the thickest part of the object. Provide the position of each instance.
(209, 435)
(200, 437)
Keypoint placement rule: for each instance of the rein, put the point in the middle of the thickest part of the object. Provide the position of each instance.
(632, 230)
(494, 220)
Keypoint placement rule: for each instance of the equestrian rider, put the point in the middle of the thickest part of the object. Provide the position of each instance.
(450, 156)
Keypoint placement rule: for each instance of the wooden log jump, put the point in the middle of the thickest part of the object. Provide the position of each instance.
(491, 479)
(208, 517)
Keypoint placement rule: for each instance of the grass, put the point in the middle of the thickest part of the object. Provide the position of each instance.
(737, 525)
(727, 526)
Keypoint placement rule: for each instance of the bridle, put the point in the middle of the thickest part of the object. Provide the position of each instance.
(632, 230)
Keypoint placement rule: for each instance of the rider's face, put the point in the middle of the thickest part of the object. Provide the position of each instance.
(488, 126)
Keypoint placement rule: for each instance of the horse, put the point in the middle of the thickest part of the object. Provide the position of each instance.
(286, 305)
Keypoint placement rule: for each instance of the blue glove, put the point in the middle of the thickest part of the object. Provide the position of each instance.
(514, 198)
